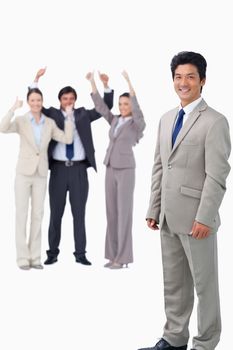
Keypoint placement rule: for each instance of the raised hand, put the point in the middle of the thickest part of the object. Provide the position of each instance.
(125, 75)
(69, 110)
(18, 104)
(40, 73)
(90, 76)
(104, 78)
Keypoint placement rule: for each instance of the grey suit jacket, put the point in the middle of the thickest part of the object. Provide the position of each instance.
(119, 152)
(189, 181)
(32, 157)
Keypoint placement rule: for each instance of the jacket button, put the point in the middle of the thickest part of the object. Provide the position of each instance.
(169, 166)
(37, 154)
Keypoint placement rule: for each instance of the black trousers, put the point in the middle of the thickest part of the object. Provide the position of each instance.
(63, 179)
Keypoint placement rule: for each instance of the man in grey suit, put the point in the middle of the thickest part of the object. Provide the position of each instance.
(188, 185)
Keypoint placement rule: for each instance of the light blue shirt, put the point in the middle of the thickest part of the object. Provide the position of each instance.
(37, 127)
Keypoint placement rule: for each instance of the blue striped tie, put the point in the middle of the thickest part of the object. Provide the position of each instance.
(178, 126)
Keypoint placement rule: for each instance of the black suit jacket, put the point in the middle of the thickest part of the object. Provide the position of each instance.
(83, 118)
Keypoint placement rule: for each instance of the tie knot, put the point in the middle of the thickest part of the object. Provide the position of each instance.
(181, 113)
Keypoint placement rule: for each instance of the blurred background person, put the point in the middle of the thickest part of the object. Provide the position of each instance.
(126, 130)
(35, 131)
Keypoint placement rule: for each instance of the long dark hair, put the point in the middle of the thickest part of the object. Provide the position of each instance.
(125, 94)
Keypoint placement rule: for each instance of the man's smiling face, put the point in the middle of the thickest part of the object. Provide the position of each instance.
(187, 83)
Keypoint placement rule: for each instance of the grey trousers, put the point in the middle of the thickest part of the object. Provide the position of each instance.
(190, 264)
(119, 188)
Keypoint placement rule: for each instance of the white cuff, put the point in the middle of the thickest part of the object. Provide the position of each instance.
(107, 90)
(34, 85)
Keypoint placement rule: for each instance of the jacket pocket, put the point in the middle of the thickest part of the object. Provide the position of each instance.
(191, 192)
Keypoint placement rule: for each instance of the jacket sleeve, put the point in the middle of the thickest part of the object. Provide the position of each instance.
(217, 168)
(138, 118)
(156, 184)
(65, 136)
(108, 98)
(101, 107)
(94, 114)
(47, 111)
(8, 126)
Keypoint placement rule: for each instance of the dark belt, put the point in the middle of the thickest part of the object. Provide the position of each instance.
(69, 162)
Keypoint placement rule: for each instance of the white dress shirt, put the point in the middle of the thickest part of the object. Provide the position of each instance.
(188, 109)
(59, 152)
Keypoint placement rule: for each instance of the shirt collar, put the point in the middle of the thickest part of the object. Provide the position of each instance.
(65, 114)
(125, 118)
(32, 119)
(190, 107)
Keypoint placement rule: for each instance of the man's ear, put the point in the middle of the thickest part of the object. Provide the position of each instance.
(203, 81)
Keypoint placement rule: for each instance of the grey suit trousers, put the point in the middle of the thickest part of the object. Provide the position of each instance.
(190, 263)
(119, 188)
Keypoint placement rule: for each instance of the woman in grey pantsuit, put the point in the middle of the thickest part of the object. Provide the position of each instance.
(126, 130)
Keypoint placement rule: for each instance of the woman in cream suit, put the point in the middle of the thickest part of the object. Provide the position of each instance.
(35, 131)
(125, 131)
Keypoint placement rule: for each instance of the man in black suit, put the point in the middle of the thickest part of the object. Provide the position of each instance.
(68, 165)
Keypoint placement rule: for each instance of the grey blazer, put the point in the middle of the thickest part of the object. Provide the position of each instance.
(189, 181)
(119, 152)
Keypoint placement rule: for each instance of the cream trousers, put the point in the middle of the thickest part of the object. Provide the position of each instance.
(29, 189)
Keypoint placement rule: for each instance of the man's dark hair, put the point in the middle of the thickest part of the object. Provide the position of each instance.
(125, 94)
(67, 90)
(34, 90)
(189, 57)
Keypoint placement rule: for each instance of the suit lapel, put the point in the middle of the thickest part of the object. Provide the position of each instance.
(60, 119)
(121, 128)
(44, 133)
(170, 127)
(28, 131)
(194, 115)
(113, 126)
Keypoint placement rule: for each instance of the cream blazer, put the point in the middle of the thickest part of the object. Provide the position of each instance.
(33, 157)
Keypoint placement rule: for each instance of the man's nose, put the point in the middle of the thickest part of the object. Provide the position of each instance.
(183, 81)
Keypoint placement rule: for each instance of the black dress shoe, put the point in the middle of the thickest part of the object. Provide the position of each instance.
(82, 260)
(164, 345)
(50, 260)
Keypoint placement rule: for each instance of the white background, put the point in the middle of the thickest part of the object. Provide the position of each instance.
(67, 305)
